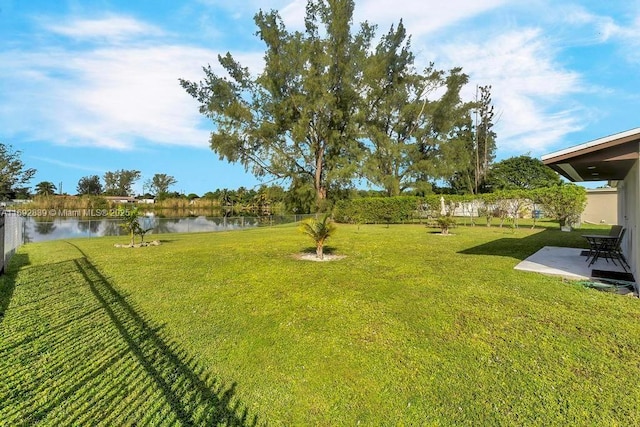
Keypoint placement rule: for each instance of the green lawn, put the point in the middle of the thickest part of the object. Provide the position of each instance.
(410, 328)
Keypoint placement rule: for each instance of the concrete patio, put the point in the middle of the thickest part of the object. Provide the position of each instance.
(565, 262)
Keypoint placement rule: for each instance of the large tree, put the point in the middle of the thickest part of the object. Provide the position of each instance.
(45, 188)
(89, 185)
(522, 172)
(160, 183)
(13, 174)
(297, 119)
(412, 120)
(120, 182)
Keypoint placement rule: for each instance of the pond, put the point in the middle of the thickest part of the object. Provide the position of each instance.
(42, 229)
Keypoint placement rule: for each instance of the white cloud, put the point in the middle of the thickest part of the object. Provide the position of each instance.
(422, 17)
(111, 95)
(605, 29)
(113, 28)
(530, 91)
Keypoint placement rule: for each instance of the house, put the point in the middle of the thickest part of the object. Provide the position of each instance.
(602, 206)
(613, 158)
(120, 199)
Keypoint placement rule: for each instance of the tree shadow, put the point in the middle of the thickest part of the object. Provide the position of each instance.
(86, 355)
(8, 280)
(521, 248)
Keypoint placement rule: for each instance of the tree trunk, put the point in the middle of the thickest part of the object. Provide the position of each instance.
(321, 190)
(319, 251)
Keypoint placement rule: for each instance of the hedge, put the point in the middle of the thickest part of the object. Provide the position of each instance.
(564, 202)
(376, 210)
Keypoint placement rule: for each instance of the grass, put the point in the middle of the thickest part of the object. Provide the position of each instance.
(410, 328)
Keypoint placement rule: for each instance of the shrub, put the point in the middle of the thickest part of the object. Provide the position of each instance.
(376, 210)
(564, 202)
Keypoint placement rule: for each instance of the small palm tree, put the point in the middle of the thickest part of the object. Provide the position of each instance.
(131, 223)
(446, 222)
(319, 231)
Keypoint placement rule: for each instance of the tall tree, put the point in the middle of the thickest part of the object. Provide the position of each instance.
(160, 183)
(120, 182)
(13, 174)
(522, 172)
(89, 185)
(410, 117)
(477, 145)
(297, 118)
(45, 188)
(485, 137)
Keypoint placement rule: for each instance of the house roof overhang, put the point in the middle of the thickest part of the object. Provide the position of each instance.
(605, 159)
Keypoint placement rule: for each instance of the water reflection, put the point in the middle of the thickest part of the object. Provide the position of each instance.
(63, 228)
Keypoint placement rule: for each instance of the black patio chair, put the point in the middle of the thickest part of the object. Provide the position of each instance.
(610, 249)
(598, 242)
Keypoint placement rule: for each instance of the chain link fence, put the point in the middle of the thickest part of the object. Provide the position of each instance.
(13, 236)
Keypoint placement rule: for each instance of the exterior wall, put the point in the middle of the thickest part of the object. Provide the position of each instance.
(629, 216)
(602, 206)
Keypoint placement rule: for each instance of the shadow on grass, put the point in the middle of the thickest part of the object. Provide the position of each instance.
(83, 354)
(520, 248)
(328, 250)
(8, 281)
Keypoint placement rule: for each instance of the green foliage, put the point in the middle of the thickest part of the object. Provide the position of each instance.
(319, 231)
(131, 224)
(564, 202)
(522, 172)
(409, 117)
(376, 210)
(159, 184)
(445, 222)
(297, 119)
(120, 182)
(330, 107)
(89, 185)
(97, 202)
(45, 188)
(13, 174)
(477, 146)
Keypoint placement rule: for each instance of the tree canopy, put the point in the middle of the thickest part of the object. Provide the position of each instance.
(89, 185)
(13, 174)
(410, 117)
(45, 188)
(329, 107)
(295, 120)
(160, 183)
(120, 182)
(522, 172)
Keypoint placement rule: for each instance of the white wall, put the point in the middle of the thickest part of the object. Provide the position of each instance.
(629, 216)
(602, 206)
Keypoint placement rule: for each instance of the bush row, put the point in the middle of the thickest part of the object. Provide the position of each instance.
(564, 203)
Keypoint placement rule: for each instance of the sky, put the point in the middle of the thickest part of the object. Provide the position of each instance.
(91, 87)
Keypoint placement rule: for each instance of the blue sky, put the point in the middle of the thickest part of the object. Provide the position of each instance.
(90, 87)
